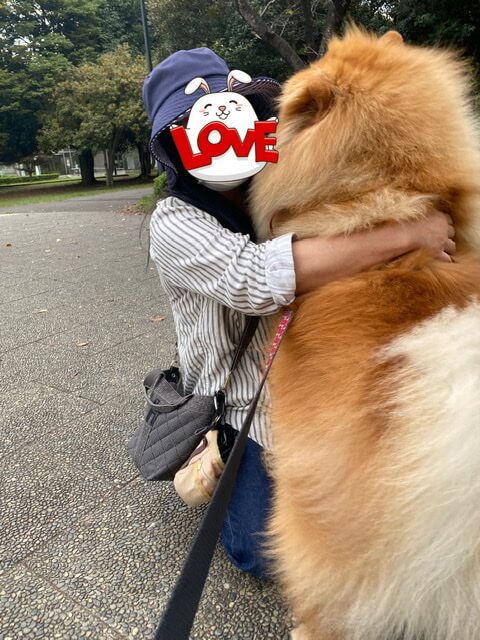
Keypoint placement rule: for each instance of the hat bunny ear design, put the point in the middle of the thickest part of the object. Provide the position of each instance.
(197, 83)
(236, 74)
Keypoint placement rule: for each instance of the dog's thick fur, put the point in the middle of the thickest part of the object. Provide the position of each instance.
(376, 388)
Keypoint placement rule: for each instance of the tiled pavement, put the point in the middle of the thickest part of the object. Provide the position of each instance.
(87, 549)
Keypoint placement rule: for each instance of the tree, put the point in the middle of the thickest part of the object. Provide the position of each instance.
(121, 24)
(17, 130)
(33, 28)
(39, 40)
(268, 34)
(311, 26)
(426, 22)
(186, 24)
(336, 12)
(450, 23)
(25, 91)
(265, 37)
(97, 106)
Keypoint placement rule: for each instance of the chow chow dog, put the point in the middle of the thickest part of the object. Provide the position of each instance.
(375, 529)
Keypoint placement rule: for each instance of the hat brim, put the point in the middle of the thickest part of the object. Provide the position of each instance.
(264, 90)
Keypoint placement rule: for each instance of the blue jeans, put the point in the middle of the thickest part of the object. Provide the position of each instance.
(244, 525)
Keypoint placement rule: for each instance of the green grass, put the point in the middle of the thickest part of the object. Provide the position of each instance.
(147, 203)
(35, 186)
(61, 192)
(58, 182)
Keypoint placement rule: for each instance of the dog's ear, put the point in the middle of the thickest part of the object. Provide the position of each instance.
(392, 37)
(309, 101)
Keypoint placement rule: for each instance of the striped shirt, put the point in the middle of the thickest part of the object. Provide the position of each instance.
(213, 278)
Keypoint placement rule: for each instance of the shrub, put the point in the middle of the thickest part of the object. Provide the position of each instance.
(147, 204)
(12, 180)
(160, 184)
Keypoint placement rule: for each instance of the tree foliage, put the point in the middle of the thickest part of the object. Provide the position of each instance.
(121, 24)
(39, 41)
(302, 24)
(24, 93)
(448, 22)
(273, 36)
(186, 24)
(33, 28)
(98, 105)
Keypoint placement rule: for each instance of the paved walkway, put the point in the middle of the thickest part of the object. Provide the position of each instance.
(87, 549)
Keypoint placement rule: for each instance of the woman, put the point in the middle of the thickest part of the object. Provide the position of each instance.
(202, 242)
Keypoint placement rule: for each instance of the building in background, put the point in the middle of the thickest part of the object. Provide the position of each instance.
(65, 163)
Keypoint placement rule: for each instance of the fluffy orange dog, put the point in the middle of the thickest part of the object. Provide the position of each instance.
(376, 389)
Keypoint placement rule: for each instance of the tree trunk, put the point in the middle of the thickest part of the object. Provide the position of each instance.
(308, 30)
(109, 157)
(108, 162)
(337, 10)
(145, 160)
(29, 167)
(85, 159)
(260, 27)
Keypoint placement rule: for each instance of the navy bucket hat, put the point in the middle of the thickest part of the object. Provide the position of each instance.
(166, 101)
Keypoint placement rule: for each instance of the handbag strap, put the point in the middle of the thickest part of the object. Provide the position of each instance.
(179, 614)
(153, 377)
(245, 339)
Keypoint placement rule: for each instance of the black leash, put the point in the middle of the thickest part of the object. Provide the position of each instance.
(178, 617)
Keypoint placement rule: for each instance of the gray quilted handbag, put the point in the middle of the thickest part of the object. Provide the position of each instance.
(172, 425)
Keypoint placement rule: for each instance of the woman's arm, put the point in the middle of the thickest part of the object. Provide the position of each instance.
(194, 252)
(319, 261)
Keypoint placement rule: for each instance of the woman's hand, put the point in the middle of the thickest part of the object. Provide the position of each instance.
(319, 261)
(434, 232)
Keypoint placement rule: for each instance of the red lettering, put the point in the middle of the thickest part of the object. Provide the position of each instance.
(262, 154)
(257, 136)
(242, 149)
(214, 149)
(190, 160)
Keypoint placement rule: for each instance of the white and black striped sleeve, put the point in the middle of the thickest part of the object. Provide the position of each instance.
(194, 252)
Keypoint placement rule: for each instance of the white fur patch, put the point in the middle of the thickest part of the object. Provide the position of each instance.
(431, 581)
